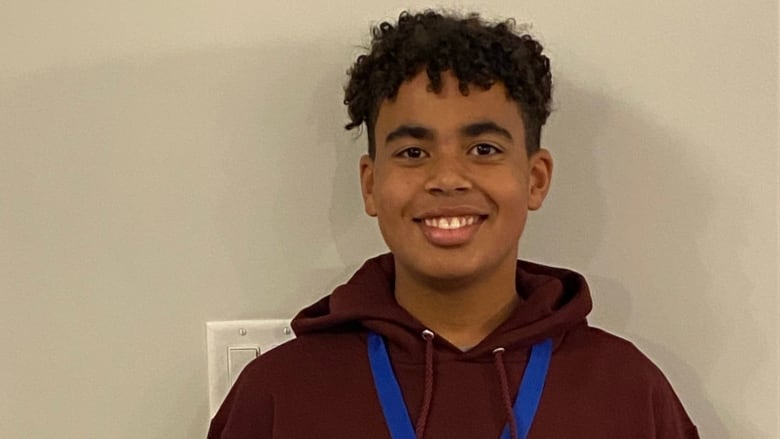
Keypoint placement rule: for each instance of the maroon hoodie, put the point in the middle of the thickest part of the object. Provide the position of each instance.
(320, 385)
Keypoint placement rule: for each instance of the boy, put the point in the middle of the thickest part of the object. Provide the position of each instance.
(449, 335)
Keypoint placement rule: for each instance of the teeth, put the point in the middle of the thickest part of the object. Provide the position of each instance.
(454, 222)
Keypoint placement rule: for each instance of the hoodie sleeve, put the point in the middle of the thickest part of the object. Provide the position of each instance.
(247, 411)
(671, 420)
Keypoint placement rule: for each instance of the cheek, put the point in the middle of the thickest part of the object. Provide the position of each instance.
(510, 196)
(393, 217)
(507, 187)
(393, 194)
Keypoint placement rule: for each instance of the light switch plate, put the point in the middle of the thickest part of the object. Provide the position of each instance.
(232, 345)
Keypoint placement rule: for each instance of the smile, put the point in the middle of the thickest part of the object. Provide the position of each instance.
(452, 222)
(450, 231)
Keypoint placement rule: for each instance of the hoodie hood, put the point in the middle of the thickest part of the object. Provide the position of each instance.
(552, 300)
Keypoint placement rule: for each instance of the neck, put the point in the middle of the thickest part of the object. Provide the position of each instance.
(462, 313)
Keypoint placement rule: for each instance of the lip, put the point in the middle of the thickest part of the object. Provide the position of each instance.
(440, 237)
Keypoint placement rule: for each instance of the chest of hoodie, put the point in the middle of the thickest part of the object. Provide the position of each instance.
(324, 384)
(591, 391)
(456, 392)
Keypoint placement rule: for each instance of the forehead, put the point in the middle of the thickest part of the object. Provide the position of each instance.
(447, 110)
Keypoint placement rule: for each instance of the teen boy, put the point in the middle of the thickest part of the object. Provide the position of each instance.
(449, 336)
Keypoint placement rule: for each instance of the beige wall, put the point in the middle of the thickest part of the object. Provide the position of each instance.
(167, 163)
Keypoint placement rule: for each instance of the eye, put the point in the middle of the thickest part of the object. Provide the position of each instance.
(412, 153)
(484, 149)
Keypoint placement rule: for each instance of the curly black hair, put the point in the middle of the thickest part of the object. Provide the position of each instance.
(475, 51)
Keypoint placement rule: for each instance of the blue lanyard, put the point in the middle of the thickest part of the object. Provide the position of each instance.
(394, 408)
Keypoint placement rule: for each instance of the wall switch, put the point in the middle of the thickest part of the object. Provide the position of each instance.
(232, 345)
(238, 358)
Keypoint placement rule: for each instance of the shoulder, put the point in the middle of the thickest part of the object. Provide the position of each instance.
(597, 346)
(306, 360)
(323, 346)
(592, 357)
(609, 373)
(289, 379)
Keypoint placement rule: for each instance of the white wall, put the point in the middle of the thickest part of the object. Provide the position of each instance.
(167, 163)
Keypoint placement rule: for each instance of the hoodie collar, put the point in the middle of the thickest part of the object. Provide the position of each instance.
(553, 301)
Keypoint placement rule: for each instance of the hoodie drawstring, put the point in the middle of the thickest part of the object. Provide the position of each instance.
(392, 400)
(419, 429)
(498, 355)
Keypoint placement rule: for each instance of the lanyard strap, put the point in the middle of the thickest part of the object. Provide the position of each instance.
(527, 400)
(394, 408)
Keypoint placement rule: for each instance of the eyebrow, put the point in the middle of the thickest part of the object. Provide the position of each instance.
(413, 131)
(488, 127)
(471, 130)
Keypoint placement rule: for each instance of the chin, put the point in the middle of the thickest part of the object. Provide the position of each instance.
(444, 271)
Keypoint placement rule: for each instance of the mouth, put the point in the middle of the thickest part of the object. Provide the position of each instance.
(450, 231)
(451, 222)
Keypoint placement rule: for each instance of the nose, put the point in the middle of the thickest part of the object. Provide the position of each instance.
(447, 175)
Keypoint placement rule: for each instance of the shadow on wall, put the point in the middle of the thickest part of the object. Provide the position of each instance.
(637, 206)
(569, 226)
(356, 236)
(297, 222)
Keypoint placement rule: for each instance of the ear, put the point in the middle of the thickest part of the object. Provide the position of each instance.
(540, 166)
(367, 184)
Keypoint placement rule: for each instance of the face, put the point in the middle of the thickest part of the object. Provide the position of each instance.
(451, 182)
